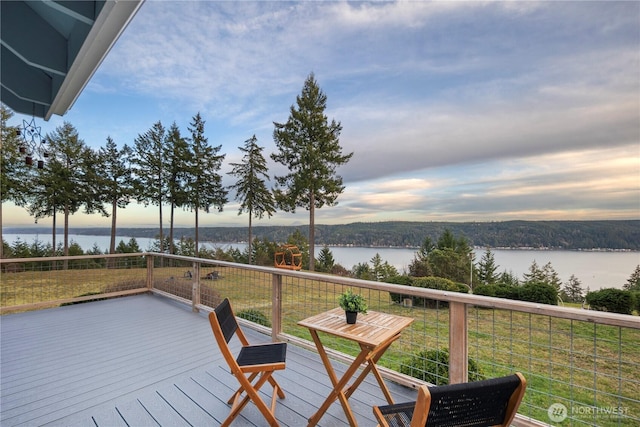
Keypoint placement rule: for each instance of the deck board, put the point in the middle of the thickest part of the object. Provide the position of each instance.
(146, 360)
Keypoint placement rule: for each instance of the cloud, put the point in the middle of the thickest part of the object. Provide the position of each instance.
(453, 110)
(417, 86)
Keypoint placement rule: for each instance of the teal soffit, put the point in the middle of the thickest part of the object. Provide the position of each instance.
(50, 50)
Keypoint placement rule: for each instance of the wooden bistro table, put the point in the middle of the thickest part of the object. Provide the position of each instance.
(374, 332)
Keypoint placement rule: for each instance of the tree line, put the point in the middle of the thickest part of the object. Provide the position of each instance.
(167, 169)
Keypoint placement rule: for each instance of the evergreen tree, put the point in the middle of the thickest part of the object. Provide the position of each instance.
(116, 183)
(447, 240)
(251, 189)
(46, 197)
(633, 283)
(13, 185)
(148, 164)
(452, 258)
(362, 271)
(508, 278)
(381, 270)
(178, 157)
(419, 267)
(487, 268)
(551, 276)
(263, 251)
(186, 247)
(309, 148)
(66, 182)
(128, 248)
(535, 274)
(572, 290)
(204, 189)
(325, 261)
(547, 274)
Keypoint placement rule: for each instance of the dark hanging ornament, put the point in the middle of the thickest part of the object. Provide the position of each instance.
(33, 143)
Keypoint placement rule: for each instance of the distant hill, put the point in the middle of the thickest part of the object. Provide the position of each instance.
(584, 235)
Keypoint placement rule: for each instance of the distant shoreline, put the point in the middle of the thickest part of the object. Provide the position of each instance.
(593, 236)
(499, 248)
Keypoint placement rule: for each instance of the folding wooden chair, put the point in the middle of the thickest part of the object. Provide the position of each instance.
(253, 361)
(492, 402)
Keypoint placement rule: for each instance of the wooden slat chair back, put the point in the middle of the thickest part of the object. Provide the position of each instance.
(254, 362)
(492, 402)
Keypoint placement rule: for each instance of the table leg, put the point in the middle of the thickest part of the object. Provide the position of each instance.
(338, 385)
(372, 359)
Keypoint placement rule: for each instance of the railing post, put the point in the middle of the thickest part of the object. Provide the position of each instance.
(276, 306)
(195, 290)
(458, 340)
(149, 271)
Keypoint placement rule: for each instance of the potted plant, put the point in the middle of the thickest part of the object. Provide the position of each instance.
(352, 304)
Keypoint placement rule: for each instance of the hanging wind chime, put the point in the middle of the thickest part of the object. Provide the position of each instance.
(33, 145)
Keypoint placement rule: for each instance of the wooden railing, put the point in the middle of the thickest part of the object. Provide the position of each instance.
(585, 361)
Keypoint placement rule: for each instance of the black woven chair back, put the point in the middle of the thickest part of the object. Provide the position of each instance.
(226, 319)
(474, 404)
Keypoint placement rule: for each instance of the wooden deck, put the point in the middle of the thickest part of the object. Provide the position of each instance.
(147, 361)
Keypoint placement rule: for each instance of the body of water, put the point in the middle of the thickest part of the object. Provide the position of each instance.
(595, 270)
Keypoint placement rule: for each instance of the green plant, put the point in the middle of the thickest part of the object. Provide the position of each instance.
(611, 300)
(352, 302)
(255, 316)
(432, 366)
(540, 292)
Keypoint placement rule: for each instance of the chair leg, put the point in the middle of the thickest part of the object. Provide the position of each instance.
(239, 391)
(272, 381)
(252, 394)
(276, 386)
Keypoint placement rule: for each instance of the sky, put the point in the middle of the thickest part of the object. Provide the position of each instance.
(455, 111)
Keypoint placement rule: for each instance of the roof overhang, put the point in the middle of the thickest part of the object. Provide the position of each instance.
(51, 49)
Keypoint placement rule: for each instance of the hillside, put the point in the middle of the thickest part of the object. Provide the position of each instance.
(570, 235)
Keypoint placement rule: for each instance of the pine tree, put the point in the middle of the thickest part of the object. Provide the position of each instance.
(251, 189)
(535, 274)
(205, 188)
(325, 260)
(13, 185)
(487, 268)
(508, 278)
(381, 270)
(452, 258)
(633, 283)
(177, 157)
(419, 267)
(149, 167)
(573, 290)
(116, 183)
(67, 181)
(551, 276)
(309, 147)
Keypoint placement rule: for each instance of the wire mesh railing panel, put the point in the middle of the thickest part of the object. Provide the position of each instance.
(250, 292)
(303, 298)
(43, 282)
(578, 372)
(174, 277)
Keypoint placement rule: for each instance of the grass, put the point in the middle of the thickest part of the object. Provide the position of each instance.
(576, 363)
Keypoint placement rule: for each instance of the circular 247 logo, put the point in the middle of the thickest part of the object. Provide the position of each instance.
(557, 412)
